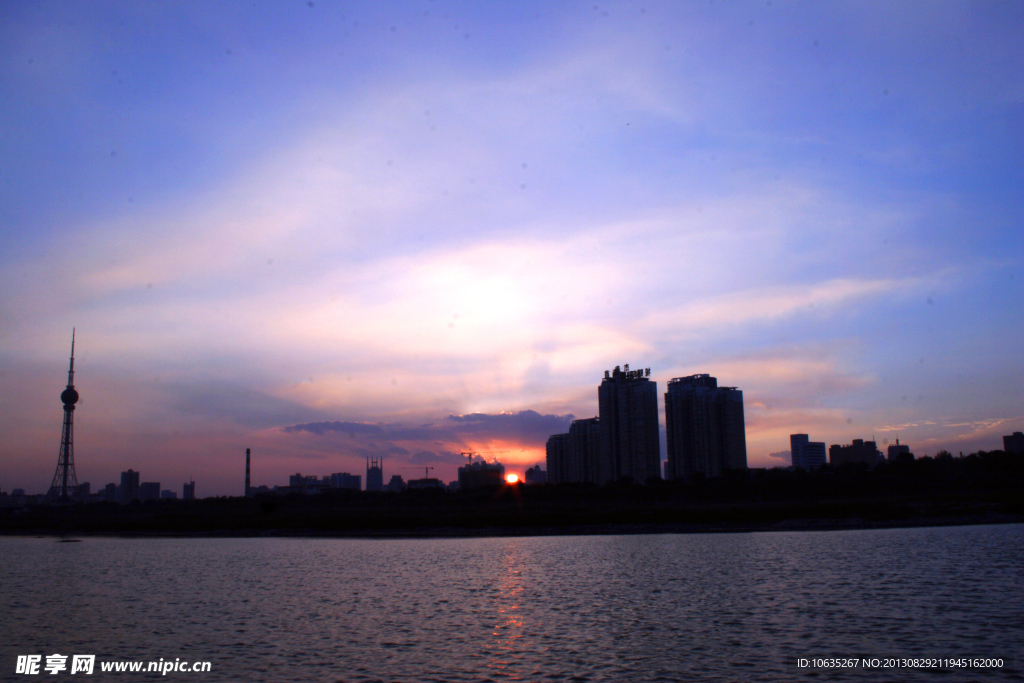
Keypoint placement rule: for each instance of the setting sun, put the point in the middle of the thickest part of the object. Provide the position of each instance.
(512, 478)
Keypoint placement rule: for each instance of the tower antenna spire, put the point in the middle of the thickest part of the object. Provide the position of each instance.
(71, 367)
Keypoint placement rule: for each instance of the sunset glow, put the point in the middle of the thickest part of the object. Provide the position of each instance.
(512, 478)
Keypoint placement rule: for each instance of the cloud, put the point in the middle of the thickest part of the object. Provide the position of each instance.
(350, 428)
(743, 307)
(526, 427)
(785, 456)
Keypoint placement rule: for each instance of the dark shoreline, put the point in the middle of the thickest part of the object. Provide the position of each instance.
(513, 531)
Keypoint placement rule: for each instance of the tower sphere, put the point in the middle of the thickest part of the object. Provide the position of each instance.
(69, 396)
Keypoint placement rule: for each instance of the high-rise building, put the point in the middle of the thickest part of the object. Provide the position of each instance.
(1014, 443)
(704, 426)
(628, 420)
(396, 484)
(374, 474)
(188, 491)
(129, 487)
(248, 489)
(584, 450)
(807, 455)
(558, 458)
(858, 452)
(575, 456)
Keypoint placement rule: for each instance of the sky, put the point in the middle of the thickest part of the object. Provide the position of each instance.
(327, 231)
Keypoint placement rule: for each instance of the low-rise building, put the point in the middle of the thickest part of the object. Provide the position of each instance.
(858, 452)
(1014, 443)
(807, 455)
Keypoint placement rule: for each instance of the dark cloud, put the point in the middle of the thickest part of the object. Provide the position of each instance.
(388, 450)
(350, 428)
(526, 426)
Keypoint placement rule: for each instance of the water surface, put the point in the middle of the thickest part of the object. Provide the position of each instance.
(715, 607)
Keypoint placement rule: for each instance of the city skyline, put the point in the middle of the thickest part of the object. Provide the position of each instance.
(338, 233)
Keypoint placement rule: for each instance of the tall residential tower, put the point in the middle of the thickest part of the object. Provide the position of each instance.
(704, 428)
(628, 427)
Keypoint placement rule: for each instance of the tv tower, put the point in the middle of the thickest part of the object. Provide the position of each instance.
(64, 478)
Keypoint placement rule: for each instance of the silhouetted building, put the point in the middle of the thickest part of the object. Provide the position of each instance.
(476, 474)
(704, 425)
(584, 449)
(425, 483)
(110, 492)
(396, 484)
(575, 456)
(1014, 443)
(297, 480)
(374, 474)
(129, 487)
(188, 491)
(858, 452)
(311, 484)
(308, 485)
(557, 450)
(167, 493)
(149, 490)
(628, 418)
(806, 454)
(248, 489)
(536, 475)
(344, 480)
(897, 450)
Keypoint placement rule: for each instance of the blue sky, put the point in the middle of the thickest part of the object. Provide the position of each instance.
(263, 215)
